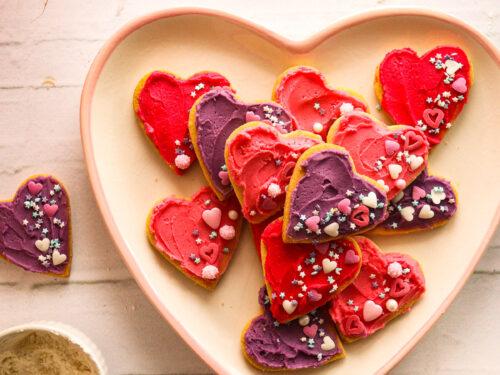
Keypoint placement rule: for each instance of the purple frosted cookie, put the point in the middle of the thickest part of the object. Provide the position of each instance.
(308, 342)
(35, 227)
(327, 199)
(427, 203)
(213, 117)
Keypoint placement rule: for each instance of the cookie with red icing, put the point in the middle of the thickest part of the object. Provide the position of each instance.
(304, 92)
(387, 286)
(260, 161)
(213, 118)
(162, 102)
(427, 92)
(198, 236)
(302, 277)
(308, 342)
(328, 199)
(429, 202)
(393, 156)
(257, 230)
(35, 227)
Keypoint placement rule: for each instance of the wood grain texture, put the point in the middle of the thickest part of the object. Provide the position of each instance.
(44, 56)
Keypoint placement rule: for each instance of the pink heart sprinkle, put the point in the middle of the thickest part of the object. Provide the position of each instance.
(345, 206)
(224, 178)
(460, 85)
(351, 257)
(433, 117)
(371, 311)
(34, 187)
(50, 209)
(312, 223)
(310, 331)
(391, 147)
(314, 296)
(250, 116)
(212, 217)
(418, 193)
(322, 247)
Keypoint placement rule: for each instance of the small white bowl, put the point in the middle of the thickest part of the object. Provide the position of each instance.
(11, 335)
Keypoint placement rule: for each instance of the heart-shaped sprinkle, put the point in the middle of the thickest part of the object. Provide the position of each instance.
(42, 245)
(460, 85)
(371, 311)
(395, 269)
(437, 195)
(227, 232)
(50, 209)
(310, 331)
(304, 320)
(58, 258)
(394, 170)
(328, 265)
(416, 162)
(328, 344)
(289, 306)
(417, 193)
(34, 187)
(407, 213)
(332, 229)
(209, 252)
(370, 200)
(344, 206)
(351, 257)
(224, 178)
(391, 305)
(250, 116)
(314, 296)
(312, 223)
(452, 66)
(433, 117)
(426, 212)
(212, 217)
(391, 147)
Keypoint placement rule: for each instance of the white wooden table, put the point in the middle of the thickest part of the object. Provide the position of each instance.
(44, 56)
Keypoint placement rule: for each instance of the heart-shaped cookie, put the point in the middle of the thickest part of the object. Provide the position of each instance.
(213, 118)
(308, 342)
(162, 102)
(391, 155)
(387, 286)
(427, 203)
(260, 161)
(35, 227)
(303, 277)
(327, 198)
(426, 92)
(198, 236)
(257, 230)
(303, 91)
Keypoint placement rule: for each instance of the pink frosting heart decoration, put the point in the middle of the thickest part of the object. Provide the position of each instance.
(250, 116)
(351, 257)
(209, 252)
(310, 331)
(433, 117)
(391, 147)
(460, 85)
(34, 187)
(418, 193)
(212, 217)
(344, 206)
(312, 223)
(50, 209)
(314, 295)
(224, 178)
(371, 311)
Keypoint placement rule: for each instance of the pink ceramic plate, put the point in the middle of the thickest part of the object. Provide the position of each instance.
(128, 175)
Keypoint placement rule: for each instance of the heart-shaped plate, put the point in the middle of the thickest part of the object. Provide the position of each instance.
(128, 176)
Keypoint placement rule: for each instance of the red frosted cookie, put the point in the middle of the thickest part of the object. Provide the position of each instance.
(426, 92)
(303, 91)
(162, 102)
(260, 161)
(198, 236)
(393, 156)
(303, 277)
(387, 286)
(257, 230)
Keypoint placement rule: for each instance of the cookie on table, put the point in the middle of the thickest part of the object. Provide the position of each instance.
(162, 102)
(302, 277)
(427, 92)
(308, 342)
(429, 202)
(35, 227)
(198, 236)
(212, 119)
(391, 155)
(327, 199)
(387, 286)
(260, 160)
(304, 92)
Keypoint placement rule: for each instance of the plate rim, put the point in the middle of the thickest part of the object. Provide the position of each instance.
(294, 46)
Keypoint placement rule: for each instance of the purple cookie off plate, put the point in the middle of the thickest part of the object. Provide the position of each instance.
(35, 230)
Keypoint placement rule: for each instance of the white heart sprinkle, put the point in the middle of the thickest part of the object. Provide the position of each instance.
(58, 258)
(415, 162)
(303, 321)
(382, 182)
(407, 213)
(328, 344)
(426, 212)
(370, 200)
(332, 229)
(452, 66)
(328, 265)
(437, 196)
(394, 170)
(289, 306)
(42, 245)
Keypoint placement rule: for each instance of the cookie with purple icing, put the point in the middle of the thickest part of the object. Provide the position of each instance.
(35, 230)
(427, 203)
(327, 199)
(213, 117)
(308, 342)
